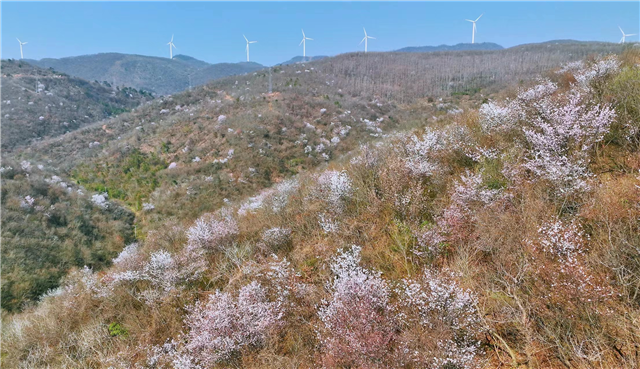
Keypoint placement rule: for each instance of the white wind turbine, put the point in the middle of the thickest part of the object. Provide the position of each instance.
(304, 45)
(366, 37)
(624, 36)
(248, 42)
(171, 46)
(473, 31)
(21, 43)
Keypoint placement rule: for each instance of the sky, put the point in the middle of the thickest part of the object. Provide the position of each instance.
(212, 31)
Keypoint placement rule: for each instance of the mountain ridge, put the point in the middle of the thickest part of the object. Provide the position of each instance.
(159, 75)
(456, 47)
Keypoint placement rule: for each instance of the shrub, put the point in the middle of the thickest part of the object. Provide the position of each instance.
(117, 330)
(357, 321)
(335, 188)
(435, 303)
(223, 324)
(276, 238)
(211, 233)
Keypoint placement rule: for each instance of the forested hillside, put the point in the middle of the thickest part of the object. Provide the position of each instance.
(41, 103)
(50, 225)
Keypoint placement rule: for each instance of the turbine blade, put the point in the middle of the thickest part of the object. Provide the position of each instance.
(469, 20)
(479, 17)
(253, 42)
(303, 33)
(365, 31)
(301, 42)
(371, 37)
(245, 37)
(365, 37)
(18, 40)
(24, 43)
(309, 39)
(621, 30)
(633, 34)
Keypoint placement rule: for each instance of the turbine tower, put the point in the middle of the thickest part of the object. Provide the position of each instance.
(624, 36)
(304, 45)
(366, 37)
(171, 46)
(473, 31)
(21, 43)
(248, 42)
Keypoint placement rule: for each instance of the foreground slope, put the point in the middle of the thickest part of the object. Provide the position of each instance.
(499, 236)
(162, 76)
(39, 103)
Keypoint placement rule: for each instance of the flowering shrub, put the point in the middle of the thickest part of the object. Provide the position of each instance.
(223, 324)
(597, 70)
(276, 198)
(567, 275)
(419, 151)
(496, 117)
(163, 271)
(100, 199)
(562, 134)
(357, 321)
(538, 92)
(471, 189)
(436, 303)
(430, 240)
(335, 188)
(129, 257)
(275, 238)
(367, 158)
(211, 233)
(27, 202)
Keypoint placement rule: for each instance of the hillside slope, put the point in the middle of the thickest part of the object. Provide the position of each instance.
(50, 225)
(180, 156)
(57, 105)
(499, 236)
(162, 76)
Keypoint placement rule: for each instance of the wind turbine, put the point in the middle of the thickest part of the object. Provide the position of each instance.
(624, 35)
(304, 45)
(248, 42)
(473, 31)
(171, 45)
(21, 43)
(366, 37)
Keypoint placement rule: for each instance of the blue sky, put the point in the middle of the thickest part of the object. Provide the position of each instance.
(212, 31)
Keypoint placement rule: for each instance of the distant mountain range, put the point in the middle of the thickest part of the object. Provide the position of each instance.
(299, 59)
(164, 76)
(458, 47)
(158, 75)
